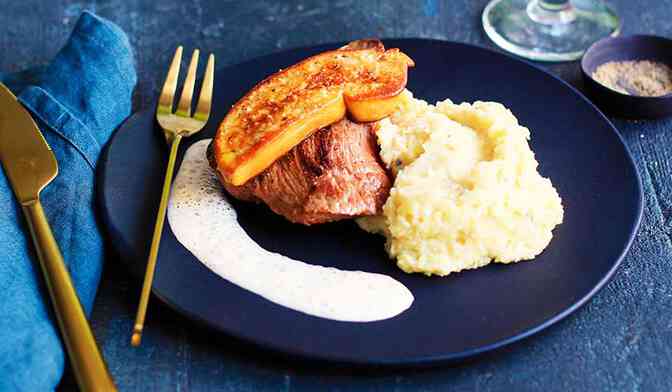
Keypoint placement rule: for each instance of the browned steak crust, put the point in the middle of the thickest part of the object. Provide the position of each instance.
(334, 174)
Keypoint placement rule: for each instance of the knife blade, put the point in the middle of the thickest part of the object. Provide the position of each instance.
(30, 165)
(27, 158)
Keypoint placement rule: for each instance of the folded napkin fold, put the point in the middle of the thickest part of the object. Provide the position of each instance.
(77, 100)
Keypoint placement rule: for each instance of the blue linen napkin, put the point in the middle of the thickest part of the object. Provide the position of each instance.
(77, 101)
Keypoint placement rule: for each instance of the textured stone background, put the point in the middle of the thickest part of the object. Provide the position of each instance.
(622, 340)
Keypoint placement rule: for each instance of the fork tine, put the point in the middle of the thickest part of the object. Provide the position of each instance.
(205, 98)
(169, 86)
(184, 106)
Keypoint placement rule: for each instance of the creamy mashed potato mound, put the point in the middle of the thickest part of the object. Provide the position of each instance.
(467, 190)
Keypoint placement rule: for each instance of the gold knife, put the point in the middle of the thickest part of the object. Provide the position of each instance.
(30, 165)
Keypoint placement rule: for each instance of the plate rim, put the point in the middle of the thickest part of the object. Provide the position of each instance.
(298, 353)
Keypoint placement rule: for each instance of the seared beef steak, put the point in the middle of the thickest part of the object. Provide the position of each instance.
(334, 174)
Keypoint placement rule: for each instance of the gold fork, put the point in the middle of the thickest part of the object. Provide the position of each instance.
(176, 125)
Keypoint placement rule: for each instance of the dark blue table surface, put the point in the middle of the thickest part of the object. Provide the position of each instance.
(622, 340)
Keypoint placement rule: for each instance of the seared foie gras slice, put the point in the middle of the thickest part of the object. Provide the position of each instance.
(289, 106)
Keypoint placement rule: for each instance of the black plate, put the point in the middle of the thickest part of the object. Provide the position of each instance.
(451, 318)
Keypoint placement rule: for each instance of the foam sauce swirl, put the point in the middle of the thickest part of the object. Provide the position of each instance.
(205, 223)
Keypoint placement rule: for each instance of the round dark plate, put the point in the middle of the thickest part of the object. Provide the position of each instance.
(452, 317)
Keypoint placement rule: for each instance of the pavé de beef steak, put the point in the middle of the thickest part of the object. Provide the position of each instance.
(334, 174)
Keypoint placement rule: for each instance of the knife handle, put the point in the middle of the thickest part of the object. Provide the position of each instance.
(87, 362)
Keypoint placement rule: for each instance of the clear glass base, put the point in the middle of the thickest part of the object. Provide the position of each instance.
(548, 30)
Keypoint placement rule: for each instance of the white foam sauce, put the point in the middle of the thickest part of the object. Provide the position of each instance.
(205, 223)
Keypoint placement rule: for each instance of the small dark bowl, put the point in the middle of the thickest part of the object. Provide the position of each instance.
(635, 47)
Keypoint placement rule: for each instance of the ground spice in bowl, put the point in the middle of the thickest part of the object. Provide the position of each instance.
(641, 78)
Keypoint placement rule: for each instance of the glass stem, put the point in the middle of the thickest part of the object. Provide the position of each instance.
(554, 5)
(551, 12)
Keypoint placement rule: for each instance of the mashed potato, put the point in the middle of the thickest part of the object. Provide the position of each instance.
(467, 190)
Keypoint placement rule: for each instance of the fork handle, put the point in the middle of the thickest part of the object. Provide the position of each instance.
(156, 240)
(87, 362)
